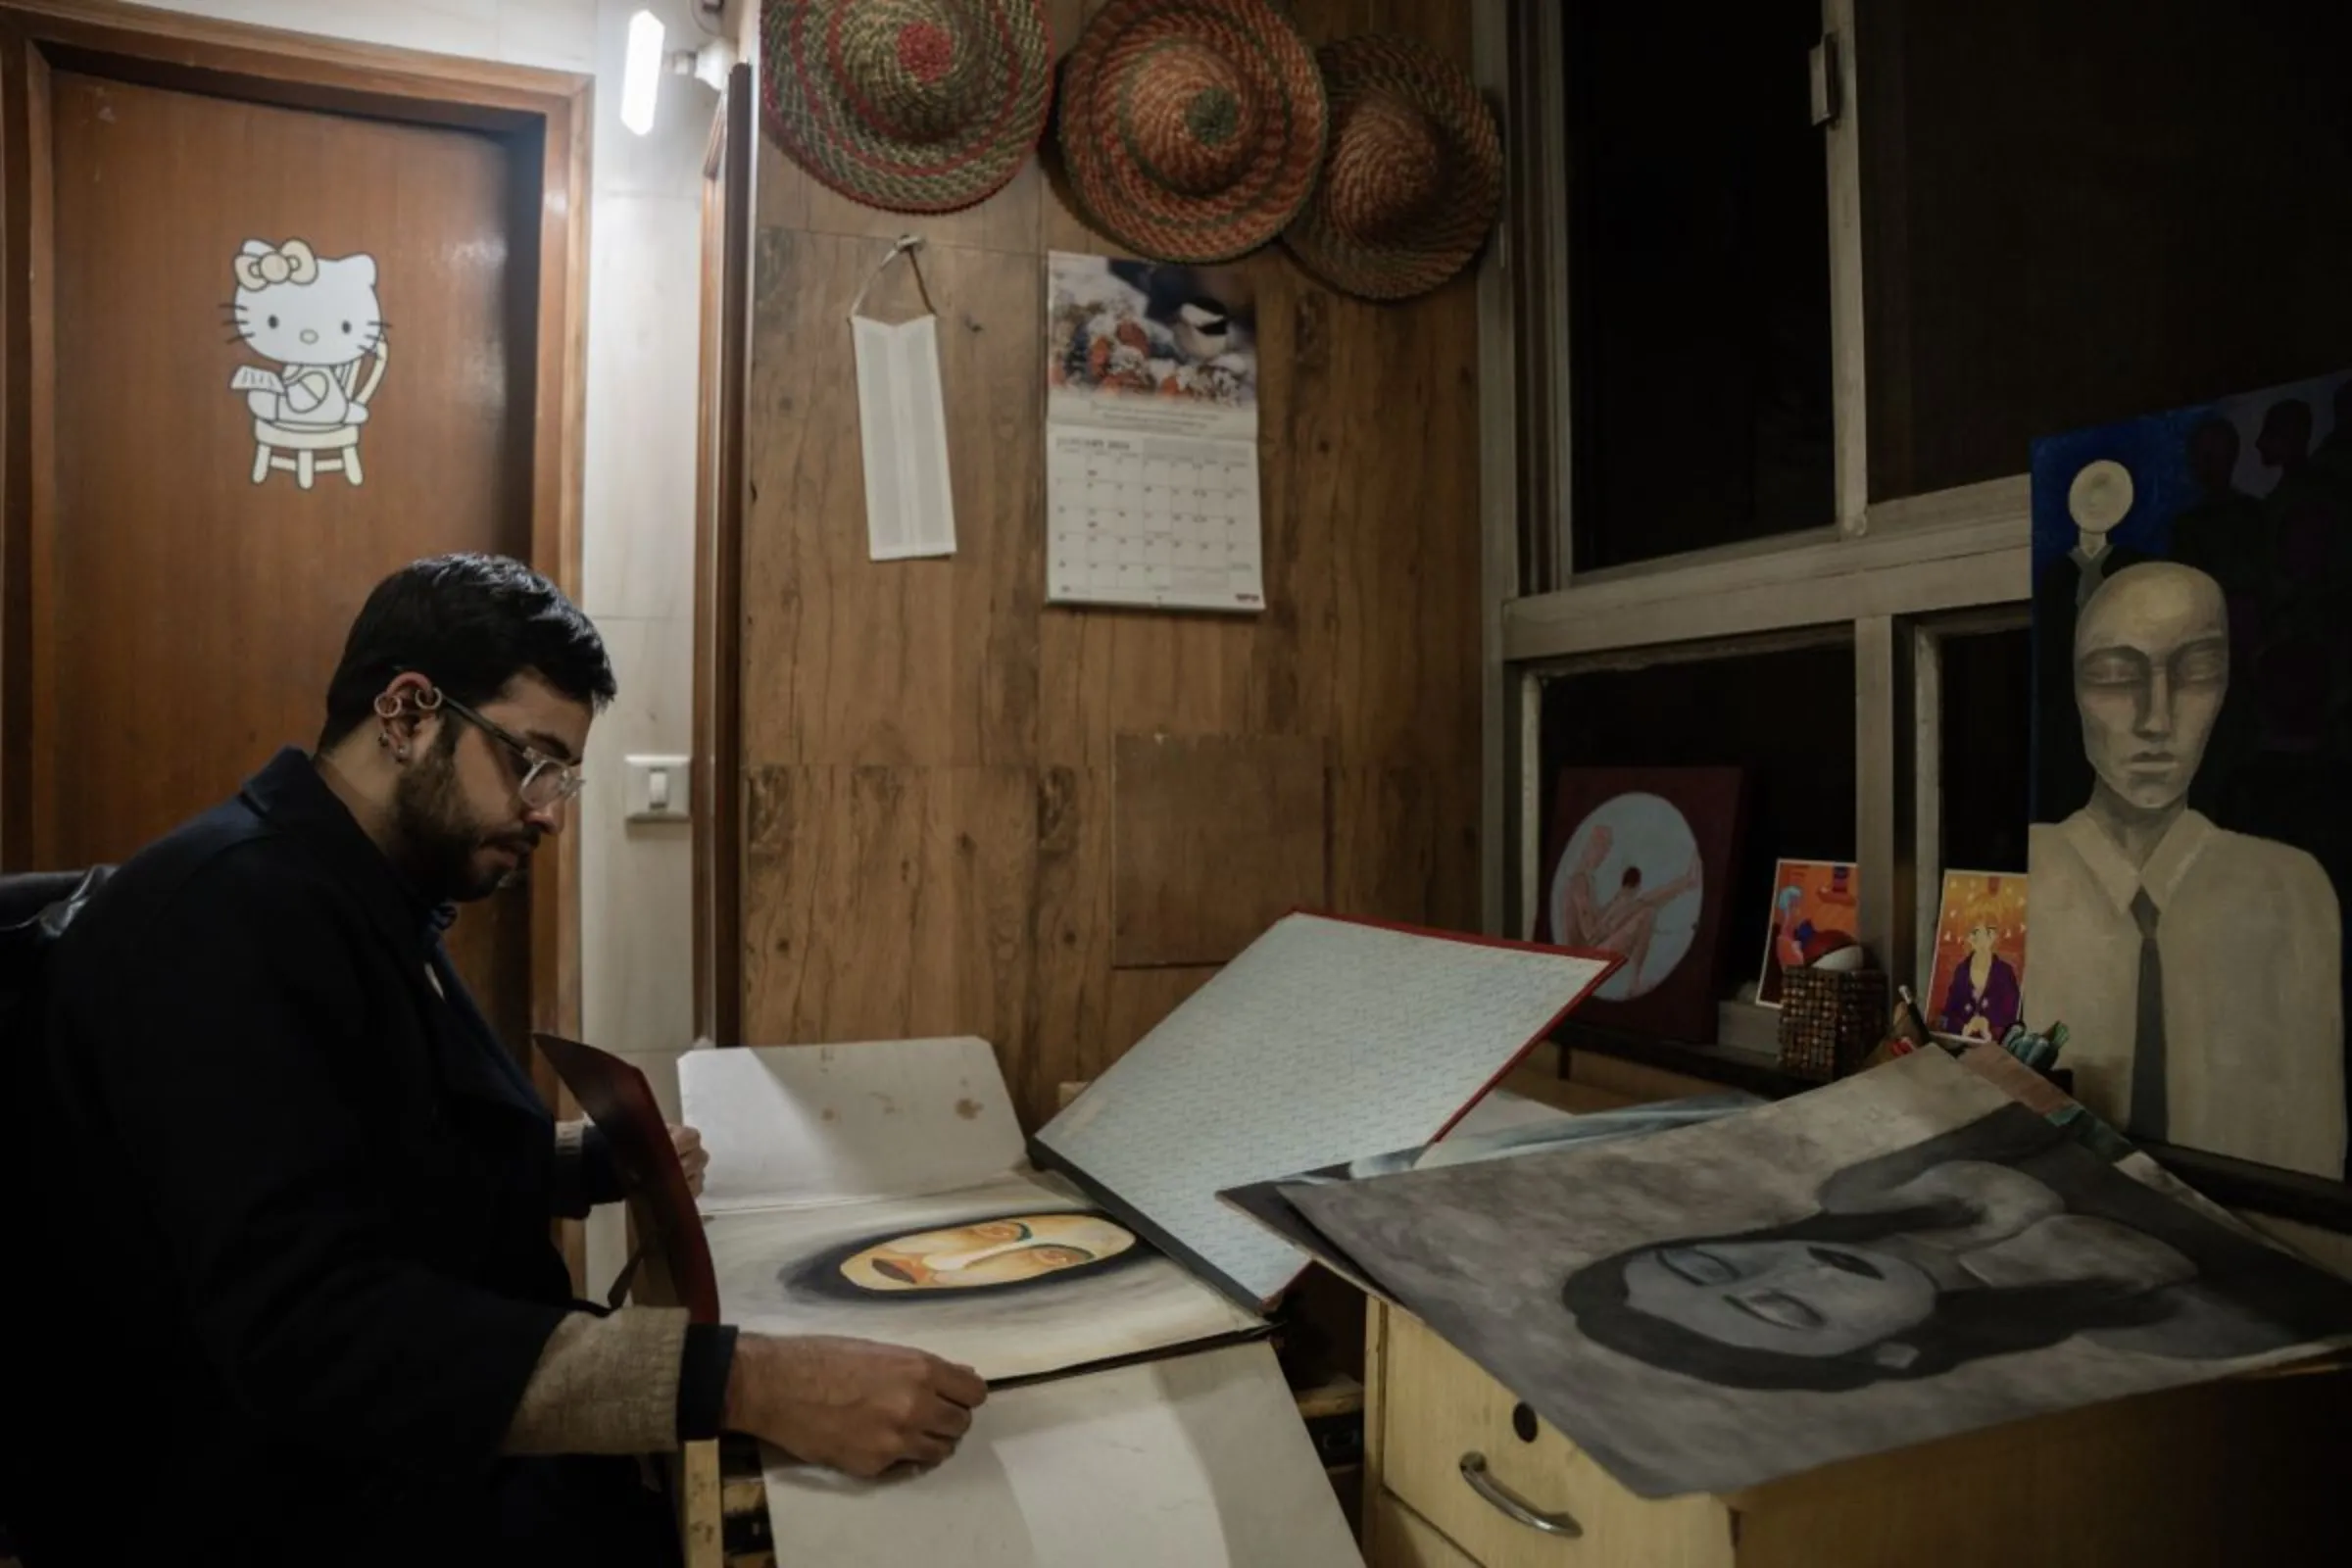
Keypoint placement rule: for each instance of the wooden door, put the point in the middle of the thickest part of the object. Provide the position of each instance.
(290, 323)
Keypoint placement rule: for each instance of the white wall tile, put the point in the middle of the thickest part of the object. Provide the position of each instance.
(560, 35)
(606, 1234)
(467, 27)
(637, 881)
(668, 160)
(644, 364)
(607, 1237)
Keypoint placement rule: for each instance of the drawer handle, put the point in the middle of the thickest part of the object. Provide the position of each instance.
(1511, 1505)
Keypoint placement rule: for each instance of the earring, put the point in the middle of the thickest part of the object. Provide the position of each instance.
(386, 706)
(400, 753)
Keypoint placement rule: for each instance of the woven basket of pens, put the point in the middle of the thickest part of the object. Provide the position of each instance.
(1830, 1020)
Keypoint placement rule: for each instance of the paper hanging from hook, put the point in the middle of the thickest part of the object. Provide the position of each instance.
(902, 425)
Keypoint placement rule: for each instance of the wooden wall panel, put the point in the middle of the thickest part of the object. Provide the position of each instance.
(930, 750)
(1215, 837)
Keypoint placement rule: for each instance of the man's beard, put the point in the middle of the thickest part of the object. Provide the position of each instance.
(440, 836)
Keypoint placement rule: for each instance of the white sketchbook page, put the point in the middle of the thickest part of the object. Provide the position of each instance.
(1325, 1041)
(847, 1123)
(778, 1272)
(1206, 1450)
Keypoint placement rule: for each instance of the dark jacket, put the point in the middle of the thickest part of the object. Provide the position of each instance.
(293, 1202)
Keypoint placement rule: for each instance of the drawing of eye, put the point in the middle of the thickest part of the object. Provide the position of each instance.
(274, 321)
(347, 329)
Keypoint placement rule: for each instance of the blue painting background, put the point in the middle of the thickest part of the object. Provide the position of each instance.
(2154, 450)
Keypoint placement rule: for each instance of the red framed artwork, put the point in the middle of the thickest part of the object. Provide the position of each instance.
(1640, 863)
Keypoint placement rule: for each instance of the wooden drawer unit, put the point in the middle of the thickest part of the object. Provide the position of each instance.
(1511, 1491)
(2247, 1473)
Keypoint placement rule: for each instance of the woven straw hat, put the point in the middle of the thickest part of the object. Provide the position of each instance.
(916, 106)
(1192, 129)
(1413, 179)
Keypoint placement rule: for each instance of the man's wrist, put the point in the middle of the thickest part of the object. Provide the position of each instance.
(705, 1381)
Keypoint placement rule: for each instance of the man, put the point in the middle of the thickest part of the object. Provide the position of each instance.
(2198, 969)
(294, 1198)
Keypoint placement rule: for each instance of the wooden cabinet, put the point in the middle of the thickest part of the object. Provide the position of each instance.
(2229, 1474)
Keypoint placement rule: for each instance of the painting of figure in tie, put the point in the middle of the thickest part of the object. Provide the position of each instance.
(2192, 761)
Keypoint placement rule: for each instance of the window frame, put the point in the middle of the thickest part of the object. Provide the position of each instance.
(1904, 574)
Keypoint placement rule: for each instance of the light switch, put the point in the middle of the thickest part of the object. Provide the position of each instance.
(660, 789)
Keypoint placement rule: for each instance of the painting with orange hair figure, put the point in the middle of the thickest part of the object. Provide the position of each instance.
(1979, 986)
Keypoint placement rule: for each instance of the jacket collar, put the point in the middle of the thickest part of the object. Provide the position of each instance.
(292, 798)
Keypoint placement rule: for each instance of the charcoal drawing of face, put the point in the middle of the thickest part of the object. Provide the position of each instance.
(994, 1256)
(1829, 1304)
(1792, 1296)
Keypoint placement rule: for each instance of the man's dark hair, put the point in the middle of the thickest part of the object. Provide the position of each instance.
(471, 623)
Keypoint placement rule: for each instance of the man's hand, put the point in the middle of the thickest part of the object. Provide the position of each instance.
(851, 1405)
(692, 1155)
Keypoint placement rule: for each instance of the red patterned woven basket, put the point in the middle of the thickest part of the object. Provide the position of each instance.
(1412, 181)
(1192, 129)
(915, 106)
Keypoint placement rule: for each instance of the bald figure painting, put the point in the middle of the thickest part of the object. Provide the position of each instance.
(2196, 968)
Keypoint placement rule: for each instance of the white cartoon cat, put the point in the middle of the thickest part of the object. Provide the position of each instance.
(319, 318)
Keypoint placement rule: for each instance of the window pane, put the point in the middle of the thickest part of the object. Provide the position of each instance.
(1699, 276)
(1786, 716)
(1987, 742)
(2078, 211)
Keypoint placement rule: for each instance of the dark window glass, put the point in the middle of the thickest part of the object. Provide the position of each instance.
(1699, 277)
(1784, 717)
(1988, 740)
(2082, 211)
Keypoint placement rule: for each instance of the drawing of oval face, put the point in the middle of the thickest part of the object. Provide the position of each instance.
(1795, 1297)
(994, 1251)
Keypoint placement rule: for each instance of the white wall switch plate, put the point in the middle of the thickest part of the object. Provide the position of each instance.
(660, 789)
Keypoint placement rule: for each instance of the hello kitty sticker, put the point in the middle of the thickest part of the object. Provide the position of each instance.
(318, 320)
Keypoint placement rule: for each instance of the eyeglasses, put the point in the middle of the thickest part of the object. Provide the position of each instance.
(547, 781)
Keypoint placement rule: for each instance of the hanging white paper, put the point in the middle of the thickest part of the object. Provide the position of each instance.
(902, 426)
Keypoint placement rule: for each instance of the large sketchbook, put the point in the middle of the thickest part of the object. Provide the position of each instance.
(1325, 1041)
(880, 1191)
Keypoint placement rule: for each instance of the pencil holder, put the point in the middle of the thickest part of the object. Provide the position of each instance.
(1830, 1020)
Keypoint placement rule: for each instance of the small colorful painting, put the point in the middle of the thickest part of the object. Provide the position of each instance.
(1641, 866)
(320, 324)
(1978, 990)
(1811, 901)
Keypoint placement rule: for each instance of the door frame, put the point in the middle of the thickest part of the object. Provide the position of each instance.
(548, 108)
(720, 494)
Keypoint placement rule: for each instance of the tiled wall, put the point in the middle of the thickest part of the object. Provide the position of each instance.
(646, 227)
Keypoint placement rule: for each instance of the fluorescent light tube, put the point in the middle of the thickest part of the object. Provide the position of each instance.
(640, 81)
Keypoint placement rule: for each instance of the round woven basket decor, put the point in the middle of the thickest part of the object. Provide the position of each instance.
(1412, 181)
(915, 106)
(1191, 129)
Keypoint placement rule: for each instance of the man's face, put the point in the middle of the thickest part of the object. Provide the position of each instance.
(2151, 667)
(465, 828)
